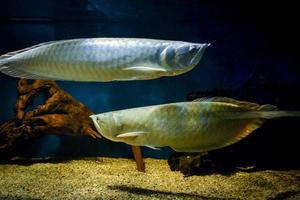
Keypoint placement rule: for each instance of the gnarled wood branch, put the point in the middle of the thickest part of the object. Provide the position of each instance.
(61, 114)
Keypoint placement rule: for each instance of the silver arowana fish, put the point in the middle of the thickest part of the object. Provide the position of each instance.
(103, 59)
(198, 126)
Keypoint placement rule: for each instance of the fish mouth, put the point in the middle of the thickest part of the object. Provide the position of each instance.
(94, 119)
(198, 55)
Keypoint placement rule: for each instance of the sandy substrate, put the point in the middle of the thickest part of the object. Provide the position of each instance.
(107, 178)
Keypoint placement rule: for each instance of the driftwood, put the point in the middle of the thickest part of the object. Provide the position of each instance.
(60, 114)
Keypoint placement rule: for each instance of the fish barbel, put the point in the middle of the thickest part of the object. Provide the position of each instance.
(103, 59)
(198, 126)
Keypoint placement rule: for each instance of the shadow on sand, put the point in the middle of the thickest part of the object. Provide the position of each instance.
(53, 160)
(161, 194)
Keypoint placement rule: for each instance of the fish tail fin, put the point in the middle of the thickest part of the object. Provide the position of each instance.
(270, 112)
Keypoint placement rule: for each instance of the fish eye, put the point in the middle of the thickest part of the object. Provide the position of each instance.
(192, 49)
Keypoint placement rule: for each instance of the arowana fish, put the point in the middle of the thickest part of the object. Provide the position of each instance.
(103, 59)
(198, 126)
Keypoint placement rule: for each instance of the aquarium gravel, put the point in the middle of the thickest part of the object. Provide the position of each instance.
(111, 178)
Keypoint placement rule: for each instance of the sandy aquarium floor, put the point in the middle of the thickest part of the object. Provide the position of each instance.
(111, 178)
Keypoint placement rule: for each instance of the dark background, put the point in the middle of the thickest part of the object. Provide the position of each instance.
(253, 56)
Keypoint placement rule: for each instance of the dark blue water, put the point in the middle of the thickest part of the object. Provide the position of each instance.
(253, 56)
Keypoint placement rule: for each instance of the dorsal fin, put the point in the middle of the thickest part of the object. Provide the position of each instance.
(10, 54)
(245, 104)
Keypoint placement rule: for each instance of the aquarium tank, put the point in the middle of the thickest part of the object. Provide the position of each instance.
(51, 149)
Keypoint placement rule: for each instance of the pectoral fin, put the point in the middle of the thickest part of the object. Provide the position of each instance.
(145, 69)
(130, 134)
(151, 147)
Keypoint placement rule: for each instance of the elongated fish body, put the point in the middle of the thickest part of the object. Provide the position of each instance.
(198, 126)
(103, 59)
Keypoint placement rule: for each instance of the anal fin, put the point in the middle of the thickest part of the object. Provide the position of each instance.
(20, 73)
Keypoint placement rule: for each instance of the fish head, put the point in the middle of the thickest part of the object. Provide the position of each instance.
(107, 125)
(189, 54)
(182, 56)
(115, 127)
